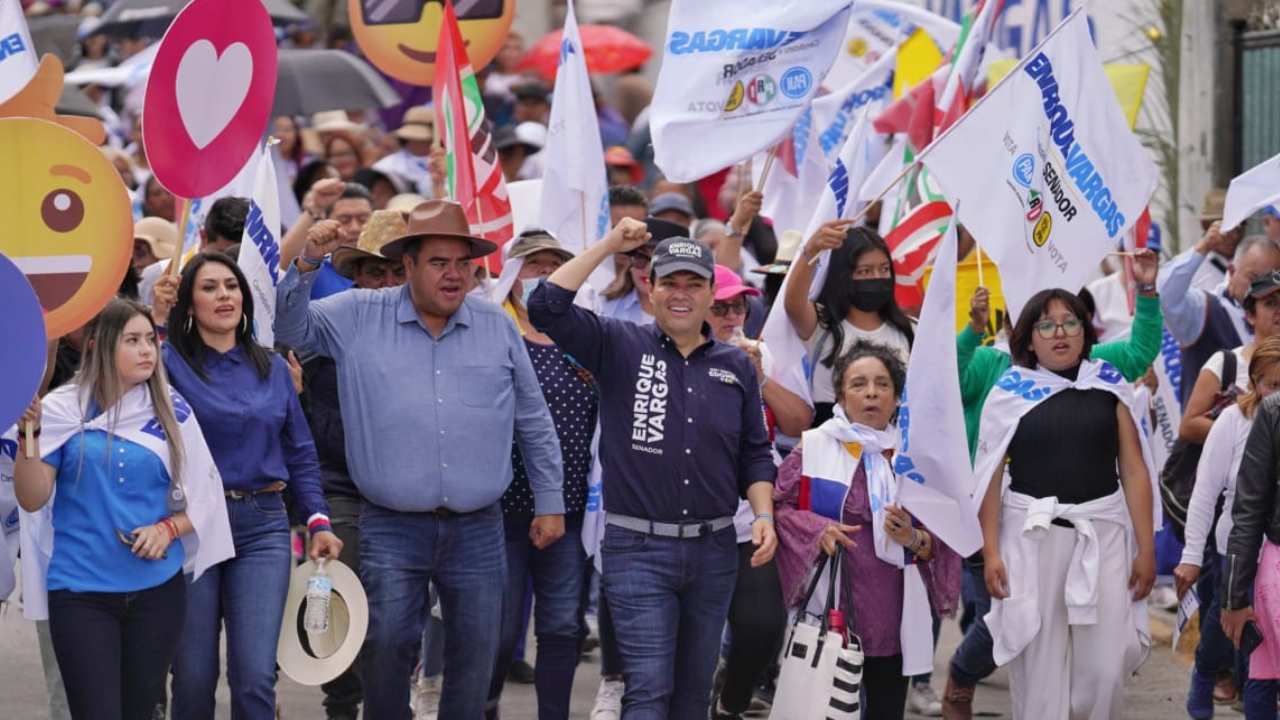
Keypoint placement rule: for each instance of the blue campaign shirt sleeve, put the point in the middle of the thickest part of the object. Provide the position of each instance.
(577, 331)
(1183, 305)
(299, 448)
(535, 432)
(320, 327)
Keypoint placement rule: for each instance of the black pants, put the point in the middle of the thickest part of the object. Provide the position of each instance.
(343, 694)
(114, 649)
(757, 620)
(884, 688)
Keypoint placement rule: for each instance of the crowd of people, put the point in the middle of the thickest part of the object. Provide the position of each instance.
(615, 465)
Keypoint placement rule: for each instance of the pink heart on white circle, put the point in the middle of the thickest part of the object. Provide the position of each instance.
(210, 89)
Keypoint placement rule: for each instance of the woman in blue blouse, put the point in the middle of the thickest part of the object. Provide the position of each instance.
(127, 474)
(245, 401)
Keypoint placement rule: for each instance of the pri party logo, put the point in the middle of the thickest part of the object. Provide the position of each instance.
(1024, 170)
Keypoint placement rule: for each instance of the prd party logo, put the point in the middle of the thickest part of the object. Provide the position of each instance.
(762, 90)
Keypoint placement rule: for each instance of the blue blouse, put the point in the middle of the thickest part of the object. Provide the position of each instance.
(105, 483)
(255, 428)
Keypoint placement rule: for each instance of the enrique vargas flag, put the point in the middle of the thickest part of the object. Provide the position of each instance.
(1045, 170)
(474, 177)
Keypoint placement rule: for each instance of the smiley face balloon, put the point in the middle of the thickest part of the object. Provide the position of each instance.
(68, 222)
(399, 36)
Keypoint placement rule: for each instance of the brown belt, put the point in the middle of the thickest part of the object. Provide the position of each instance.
(275, 487)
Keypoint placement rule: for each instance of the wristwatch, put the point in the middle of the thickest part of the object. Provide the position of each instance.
(1147, 288)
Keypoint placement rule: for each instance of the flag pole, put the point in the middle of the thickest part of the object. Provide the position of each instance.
(768, 165)
(977, 249)
(184, 215)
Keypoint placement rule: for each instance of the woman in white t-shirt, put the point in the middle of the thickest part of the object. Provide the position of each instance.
(856, 303)
(1262, 311)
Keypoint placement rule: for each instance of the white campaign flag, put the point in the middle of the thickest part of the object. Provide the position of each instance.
(1250, 192)
(735, 76)
(260, 249)
(18, 61)
(933, 453)
(1045, 168)
(575, 191)
(877, 27)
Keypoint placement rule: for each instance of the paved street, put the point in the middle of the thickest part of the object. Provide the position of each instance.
(1156, 695)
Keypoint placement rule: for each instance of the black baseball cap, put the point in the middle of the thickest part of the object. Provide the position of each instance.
(681, 254)
(1265, 285)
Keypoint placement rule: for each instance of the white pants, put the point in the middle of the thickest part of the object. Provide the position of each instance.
(1074, 672)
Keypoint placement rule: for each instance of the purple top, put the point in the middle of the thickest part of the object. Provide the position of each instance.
(873, 586)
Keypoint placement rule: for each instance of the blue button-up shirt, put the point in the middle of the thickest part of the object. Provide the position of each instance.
(681, 439)
(429, 420)
(255, 428)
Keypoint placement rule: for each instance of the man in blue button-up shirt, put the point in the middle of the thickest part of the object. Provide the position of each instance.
(682, 438)
(432, 384)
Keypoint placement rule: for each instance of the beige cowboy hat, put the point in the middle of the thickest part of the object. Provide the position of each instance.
(441, 219)
(417, 124)
(788, 246)
(317, 658)
(1215, 202)
(160, 234)
(383, 225)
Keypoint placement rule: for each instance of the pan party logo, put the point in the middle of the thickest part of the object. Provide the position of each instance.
(399, 36)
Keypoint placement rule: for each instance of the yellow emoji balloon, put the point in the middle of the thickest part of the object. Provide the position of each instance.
(399, 36)
(68, 222)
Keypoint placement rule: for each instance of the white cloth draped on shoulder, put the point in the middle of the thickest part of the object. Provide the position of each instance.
(133, 418)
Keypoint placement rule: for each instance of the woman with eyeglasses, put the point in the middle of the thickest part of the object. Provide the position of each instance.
(118, 486)
(856, 303)
(756, 613)
(251, 417)
(1067, 518)
(627, 297)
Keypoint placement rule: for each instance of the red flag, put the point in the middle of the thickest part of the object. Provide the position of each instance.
(912, 243)
(474, 177)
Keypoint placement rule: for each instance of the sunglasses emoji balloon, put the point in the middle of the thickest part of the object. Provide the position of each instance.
(399, 36)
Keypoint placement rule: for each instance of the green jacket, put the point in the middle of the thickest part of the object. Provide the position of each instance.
(981, 366)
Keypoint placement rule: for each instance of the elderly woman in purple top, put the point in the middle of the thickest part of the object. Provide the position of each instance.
(838, 488)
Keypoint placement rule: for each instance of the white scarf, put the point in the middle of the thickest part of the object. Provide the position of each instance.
(134, 420)
(1020, 389)
(830, 465)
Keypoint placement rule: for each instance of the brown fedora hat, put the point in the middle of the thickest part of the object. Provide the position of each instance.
(443, 219)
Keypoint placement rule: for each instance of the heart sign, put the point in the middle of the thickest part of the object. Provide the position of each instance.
(209, 95)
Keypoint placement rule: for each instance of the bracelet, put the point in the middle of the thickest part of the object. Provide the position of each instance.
(765, 516)
(1145, 288)
(314, 262)
(170, 527)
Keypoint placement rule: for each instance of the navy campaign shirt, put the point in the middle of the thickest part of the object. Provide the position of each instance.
(681, 439)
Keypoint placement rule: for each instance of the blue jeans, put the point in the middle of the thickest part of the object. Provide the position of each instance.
(972, 661)
(669, 600)
(1215, 653)
(557, 573)
(400, 553)
(1260, 699)
(248, 593)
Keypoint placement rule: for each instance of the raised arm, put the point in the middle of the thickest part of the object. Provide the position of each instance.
(1134, 355)
(321, 327)
(315, 207)
(1184, 306)
(800, 309)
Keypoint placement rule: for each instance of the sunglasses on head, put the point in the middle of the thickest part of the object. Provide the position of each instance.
(400, 12)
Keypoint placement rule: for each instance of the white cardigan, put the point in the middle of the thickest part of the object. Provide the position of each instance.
(1216, 473)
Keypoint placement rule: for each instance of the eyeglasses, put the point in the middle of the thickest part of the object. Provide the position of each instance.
(723, 309)
(1071, 327)
(640, 261)
(396, 12)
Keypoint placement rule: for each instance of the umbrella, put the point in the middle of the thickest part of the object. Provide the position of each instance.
(73, 101)
(311, 81)
(55, 34)
(609, 49)
(150, 18)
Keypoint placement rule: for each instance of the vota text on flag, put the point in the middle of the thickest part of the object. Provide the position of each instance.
(1078, 165)
(682, 43)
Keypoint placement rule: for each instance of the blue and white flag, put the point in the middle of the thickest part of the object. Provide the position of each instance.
(877, 27)
(735, 76)
(18, 61)
(575, 190)
(933, 455)
(260, 249)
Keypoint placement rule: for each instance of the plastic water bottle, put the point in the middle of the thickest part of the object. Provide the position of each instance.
(319, 586)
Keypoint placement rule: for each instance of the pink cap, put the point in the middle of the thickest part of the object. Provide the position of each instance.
(729, 284)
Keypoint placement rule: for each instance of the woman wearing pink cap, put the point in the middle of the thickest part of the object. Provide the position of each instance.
(756, 614)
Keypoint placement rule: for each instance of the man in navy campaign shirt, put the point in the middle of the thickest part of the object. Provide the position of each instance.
(682, 439)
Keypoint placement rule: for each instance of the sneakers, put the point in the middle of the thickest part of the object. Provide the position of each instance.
(520, 672)
(922, 700)
(424, 698)
(1200, 696)
(608, 700)
(957, 702)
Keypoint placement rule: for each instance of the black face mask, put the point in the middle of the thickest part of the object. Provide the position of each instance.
(871, 295)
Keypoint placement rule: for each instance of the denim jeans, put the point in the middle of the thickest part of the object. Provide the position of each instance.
(1260, 699)
(342, 695)
(247, 593)
(972, 660)
(400, 553)
(556, 572)
(1215, 653)
(669, 599)
(114, 649)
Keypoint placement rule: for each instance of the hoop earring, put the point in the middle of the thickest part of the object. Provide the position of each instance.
(244, 324)
(188, 324)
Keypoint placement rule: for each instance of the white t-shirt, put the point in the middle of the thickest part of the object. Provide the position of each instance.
(1214, 365)
(887, 334)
